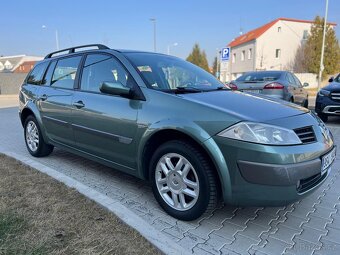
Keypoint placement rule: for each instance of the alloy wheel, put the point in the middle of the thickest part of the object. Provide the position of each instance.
(177, 181)
(32, 136)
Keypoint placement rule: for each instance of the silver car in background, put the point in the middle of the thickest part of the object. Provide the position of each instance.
(278, 84)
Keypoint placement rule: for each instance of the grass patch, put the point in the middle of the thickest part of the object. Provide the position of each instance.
(9, 224)
(39, 215)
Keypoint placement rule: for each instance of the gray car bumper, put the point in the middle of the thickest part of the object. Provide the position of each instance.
(278, 175)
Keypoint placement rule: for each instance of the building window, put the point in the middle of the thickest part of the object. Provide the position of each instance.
(243, 54)
(234, 58)
(279, 29)
(277, 53)
(250, 52)
(8, 65)
(305, 35)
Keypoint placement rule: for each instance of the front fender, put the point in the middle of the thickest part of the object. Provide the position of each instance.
(198, 134)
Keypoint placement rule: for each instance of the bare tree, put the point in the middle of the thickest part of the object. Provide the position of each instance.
(300, 60)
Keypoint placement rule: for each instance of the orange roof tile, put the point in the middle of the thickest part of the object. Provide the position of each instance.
(256, 33)
(29, 62)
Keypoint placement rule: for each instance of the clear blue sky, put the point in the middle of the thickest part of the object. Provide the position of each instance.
(125, 24)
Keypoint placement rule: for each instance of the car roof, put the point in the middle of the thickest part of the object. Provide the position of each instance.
(102, 48)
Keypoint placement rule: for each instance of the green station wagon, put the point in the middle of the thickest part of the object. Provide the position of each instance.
(167, 121)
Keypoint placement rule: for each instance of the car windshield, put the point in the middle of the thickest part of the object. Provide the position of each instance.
(259, 77)
(337, 79)
(169, 73)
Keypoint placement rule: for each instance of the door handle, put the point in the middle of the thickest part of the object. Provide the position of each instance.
(43, 97)
(79, 104)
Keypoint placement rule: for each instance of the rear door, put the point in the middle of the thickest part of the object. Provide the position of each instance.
(105, 125)
(302, 92)
(293, 88)
(56, 98)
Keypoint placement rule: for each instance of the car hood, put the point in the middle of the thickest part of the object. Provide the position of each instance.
(245, 106)
(333, 87)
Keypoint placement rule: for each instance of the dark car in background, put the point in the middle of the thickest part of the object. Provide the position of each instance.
(328, 99)
(278, 84)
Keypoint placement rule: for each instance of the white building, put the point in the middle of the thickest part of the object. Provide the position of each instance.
(10, 64)
(270, 47)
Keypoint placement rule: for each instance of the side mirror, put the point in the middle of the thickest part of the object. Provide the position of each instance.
(306, 84)
(115, 88)
(331, 79)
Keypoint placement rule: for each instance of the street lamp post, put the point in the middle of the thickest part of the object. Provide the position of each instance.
(153, 20)
(174, 45)
(56, 36)
(323, 46)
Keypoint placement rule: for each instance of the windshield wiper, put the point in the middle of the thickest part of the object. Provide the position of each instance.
(222, 88)
(188, 90)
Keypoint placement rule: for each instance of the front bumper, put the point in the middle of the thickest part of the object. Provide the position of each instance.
(278, 175)
(327, 105)
(264, 175)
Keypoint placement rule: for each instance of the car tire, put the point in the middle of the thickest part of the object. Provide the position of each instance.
(183, 180)
(323, 117)
(34, 140)
(305, 103)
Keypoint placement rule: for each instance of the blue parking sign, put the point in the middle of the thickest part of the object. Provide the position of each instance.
(225, 54)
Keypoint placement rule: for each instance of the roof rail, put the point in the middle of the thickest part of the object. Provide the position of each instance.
(72, 49)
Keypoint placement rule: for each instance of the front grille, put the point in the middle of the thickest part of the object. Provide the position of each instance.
(310, 182)
(335, 96)
(306, 134)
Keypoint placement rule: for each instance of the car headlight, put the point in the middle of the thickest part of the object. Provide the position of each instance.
(324, 93)
(261, 133)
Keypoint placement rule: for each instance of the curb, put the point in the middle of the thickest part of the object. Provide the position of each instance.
(154, 236)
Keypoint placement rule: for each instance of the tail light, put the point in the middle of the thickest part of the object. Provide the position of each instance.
(274, 85)
(232, 86)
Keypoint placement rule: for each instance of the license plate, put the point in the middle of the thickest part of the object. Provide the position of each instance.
(327, 160)
(252, 91)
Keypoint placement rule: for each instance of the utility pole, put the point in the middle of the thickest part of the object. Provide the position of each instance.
(153, 20)
(323, 46)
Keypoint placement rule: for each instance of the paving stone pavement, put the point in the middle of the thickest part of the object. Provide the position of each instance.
(310, 226)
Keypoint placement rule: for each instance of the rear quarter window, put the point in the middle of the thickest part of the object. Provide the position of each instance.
(35, 77)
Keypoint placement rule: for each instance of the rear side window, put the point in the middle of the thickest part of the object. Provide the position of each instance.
(65, 72)
(297, 81)
(36, 76)
(290, 79)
